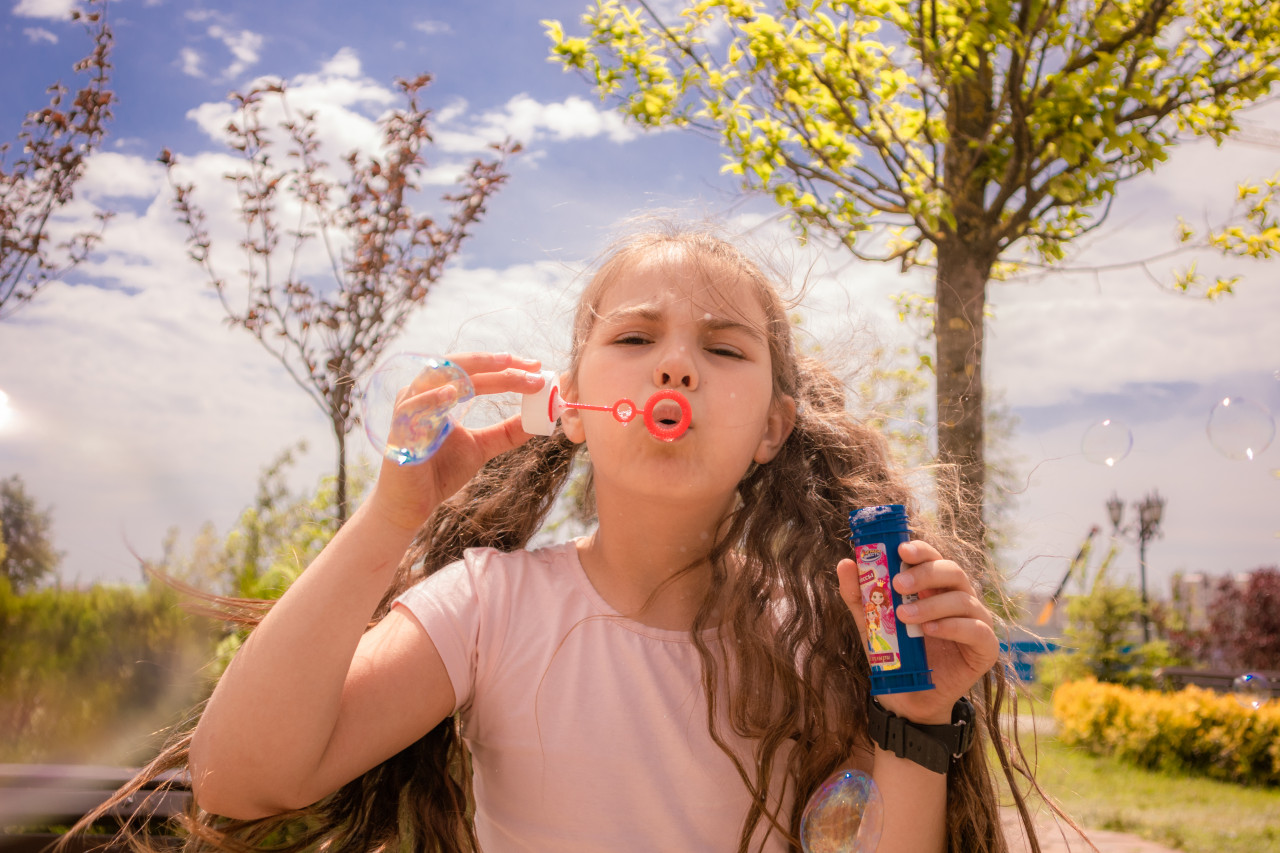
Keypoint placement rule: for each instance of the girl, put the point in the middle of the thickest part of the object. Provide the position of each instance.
(683, 678)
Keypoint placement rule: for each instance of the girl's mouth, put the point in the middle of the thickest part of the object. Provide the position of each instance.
(667, 415)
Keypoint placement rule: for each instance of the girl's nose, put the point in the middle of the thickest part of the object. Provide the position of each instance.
(675, 369)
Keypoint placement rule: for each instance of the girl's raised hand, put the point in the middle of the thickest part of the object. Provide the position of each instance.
(407, 494)
(960, 638)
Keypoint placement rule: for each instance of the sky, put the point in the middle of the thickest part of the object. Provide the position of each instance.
(130, 407)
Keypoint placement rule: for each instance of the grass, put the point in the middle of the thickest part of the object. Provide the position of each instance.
(1181, 812)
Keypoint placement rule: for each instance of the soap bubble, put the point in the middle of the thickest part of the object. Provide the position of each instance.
(412, 437)
(1240, 428)
(843, 816)
(1107, 442)
(1252, 690)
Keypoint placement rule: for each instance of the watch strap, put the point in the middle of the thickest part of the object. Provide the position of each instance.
(932, 747)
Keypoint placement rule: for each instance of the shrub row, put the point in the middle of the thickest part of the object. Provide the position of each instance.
(88, 674)
(1191, 731)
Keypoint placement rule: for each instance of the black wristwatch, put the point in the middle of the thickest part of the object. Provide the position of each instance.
(932, 747)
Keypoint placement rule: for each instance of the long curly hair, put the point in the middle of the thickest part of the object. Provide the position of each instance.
(797, 676)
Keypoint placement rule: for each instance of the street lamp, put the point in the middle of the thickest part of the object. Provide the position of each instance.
(1150, 509)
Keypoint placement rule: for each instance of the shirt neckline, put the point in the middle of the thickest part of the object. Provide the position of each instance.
(603, 607)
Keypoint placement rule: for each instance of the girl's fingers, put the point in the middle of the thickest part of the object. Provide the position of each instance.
(952, 604)
(476, 363)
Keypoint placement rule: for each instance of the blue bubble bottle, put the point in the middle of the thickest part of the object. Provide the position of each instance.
(895, 651)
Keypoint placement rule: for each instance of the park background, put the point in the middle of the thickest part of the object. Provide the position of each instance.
(131, 409)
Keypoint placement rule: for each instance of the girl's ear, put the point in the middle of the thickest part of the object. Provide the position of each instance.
(782, 417)
(571, 419)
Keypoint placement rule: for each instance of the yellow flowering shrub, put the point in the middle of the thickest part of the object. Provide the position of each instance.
(1191, 731)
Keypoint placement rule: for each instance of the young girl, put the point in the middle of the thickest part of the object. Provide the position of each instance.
(683, 678)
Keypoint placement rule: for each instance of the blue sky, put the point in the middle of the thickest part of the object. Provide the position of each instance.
(133, 407)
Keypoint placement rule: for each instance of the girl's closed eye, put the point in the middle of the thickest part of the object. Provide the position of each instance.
(726, 351)
(632, 339)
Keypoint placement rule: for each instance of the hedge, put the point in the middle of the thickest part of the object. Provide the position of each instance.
(1192, 731)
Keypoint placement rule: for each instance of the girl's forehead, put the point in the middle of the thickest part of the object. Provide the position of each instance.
(675, 288)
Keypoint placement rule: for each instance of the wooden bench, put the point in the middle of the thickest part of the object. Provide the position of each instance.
(37, 799)
(1220, 680)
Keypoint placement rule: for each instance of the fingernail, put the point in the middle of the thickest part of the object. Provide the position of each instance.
(905, 582)
(908, 611)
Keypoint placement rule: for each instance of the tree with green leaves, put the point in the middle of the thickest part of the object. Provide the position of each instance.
(38, 175)
(380, 253)
(967, 135)
(27, 554)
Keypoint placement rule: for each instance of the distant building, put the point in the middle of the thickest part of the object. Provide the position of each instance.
(1193, 593)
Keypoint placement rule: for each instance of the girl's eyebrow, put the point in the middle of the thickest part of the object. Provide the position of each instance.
(651, 314)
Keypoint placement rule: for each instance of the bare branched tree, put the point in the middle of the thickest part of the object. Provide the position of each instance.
(382, 255)
(48, 160)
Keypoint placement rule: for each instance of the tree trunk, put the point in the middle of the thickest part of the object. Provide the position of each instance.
(958, 329)
(340, 510)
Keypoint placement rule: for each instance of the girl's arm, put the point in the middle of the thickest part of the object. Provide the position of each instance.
(961, 644)
(313, 699)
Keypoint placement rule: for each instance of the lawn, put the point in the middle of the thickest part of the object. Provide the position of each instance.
(1181, 812)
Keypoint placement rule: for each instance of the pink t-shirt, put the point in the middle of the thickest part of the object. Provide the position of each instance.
(587, 730)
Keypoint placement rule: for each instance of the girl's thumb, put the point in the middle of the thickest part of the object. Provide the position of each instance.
(851, 593)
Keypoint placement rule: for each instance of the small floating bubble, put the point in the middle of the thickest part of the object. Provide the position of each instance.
(1107, 442)
(1240, 429)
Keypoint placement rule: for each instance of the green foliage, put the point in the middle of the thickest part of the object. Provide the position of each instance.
(90, 674)
(1191, 731)
(273, 541)
(856, 113)
(1103, 641)
(27, 554)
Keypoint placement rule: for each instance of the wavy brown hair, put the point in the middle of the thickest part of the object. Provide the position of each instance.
(796, 678)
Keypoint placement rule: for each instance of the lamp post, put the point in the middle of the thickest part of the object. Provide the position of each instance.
(1150, 509)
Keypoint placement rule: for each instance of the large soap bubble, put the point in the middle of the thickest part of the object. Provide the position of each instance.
(1240, 429)
(1107, 442)
(845, 815)
(412, 436)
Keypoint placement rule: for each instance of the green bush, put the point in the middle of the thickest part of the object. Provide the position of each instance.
(90, 674)
(1191, 731)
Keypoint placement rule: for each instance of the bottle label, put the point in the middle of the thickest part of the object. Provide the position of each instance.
(877, 604)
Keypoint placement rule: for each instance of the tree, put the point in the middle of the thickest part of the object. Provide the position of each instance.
(969, 135)
(382, 255)
(1244, 624)
(1102, 641)
(28, 553)
(53, 146)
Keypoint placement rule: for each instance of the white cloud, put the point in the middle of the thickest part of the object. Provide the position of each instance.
(245, 47)
(35, 35)
(432, 28)
(192, 62)
(114, 175)
(528, 121)
(60, 9)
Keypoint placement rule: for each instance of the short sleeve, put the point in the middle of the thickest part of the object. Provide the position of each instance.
(449, 606)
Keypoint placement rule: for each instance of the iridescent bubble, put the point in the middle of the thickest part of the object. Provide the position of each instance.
(411, 436)
(1107, 442)
(1252, 690)
(845, 815)
(1240, 428)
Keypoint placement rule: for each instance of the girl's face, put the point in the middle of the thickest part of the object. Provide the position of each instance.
(662, 325)
(877, 597)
